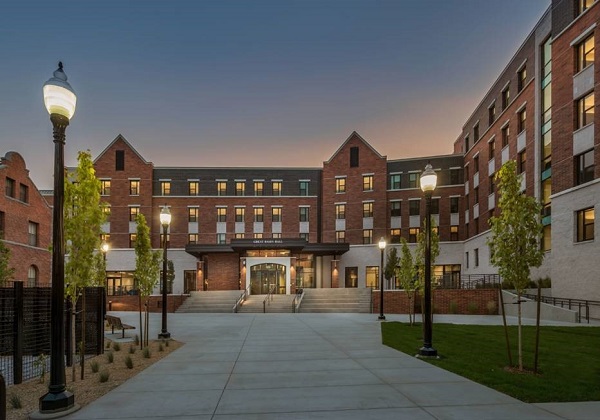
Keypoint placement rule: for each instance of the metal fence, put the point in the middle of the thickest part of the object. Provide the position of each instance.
(25, 318)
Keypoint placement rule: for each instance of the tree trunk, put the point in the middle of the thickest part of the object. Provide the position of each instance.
(73, 339)
(520, 344)
(82, 361)
(141, 325)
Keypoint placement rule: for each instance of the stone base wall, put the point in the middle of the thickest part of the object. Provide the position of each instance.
(132, 303)
(445, 301)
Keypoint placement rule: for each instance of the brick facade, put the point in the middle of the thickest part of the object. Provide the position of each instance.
(445, 301)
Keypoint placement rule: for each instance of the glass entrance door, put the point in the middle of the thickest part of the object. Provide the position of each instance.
(264, 277)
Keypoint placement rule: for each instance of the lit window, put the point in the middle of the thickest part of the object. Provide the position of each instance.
(505, 136)
(522, 120)
(585, 53)
(105, 186)
(584, 165)
(239, 236)
(340, 211)
(134, 187)
(239, 214)
(258, 236)
(106, 210)
(165, 188)
(454, 233)
(395, 181)
(105, 237)
(133, 238)
(413, 234)
(192, 238)
(193, 187)
(193, 214)
(395, 236)
(258, 214)
(585, 225)
(521, 78)
(221, 188)
(583, 5)
(492, 114)
(396, 208)
(372, 277)
(240, 188)
(304, 188)
(505, 98)
(367, 209)
(221, 214)
(276, 186)
(304, 214)
(585, 110)
(340, 236)
(340, 185)
(133, 213)
(367, 236)
(259, 188)
(367, 182)
(276, 214)
(276, 235)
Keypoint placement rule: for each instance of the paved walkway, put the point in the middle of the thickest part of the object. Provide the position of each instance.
(304, 366)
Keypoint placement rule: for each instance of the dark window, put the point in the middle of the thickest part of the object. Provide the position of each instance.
(491, 149)
(395, 181)
(396, 208)
(522, 120)
(492, 185)
(354, 157)
(351, 277)
(453, 204)
(33, 234)
(24, 193)
(454, 176)
(505, 98)
(476, 257)
(584, 165)
(505, 136)
(304, 188)
(466, 144)
(476, 163)
(120, 160)
(521, 161)
(2, 224)
(10, 187)
(435, 206)
(492, 114)
(475, 133)
(414, 207)
(521, 79)
(305, 236)
(585, 225)
(412, 180)
(304, 214)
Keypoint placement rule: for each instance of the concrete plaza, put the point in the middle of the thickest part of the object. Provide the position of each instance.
(304, 366)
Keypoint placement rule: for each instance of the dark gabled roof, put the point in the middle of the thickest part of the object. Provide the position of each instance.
(123, 139)
(355, 134)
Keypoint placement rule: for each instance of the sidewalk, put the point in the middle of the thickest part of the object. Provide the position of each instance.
(304, 366)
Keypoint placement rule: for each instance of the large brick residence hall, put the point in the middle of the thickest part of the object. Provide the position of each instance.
(286, 228)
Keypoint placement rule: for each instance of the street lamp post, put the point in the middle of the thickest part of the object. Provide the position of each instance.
(428, 183)
(60, 101)
(165, 221)
(104, 249)
(382, 245)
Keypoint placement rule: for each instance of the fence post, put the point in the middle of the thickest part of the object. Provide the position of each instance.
(2, 398)
(100, 312)
(18, 333)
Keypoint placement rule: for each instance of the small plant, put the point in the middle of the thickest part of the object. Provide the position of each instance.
(107, 344)
(472, 308)
(160, 347)
(116, 346)
(39, 364)
(131, 349)
(491, 307)
(94, 366)
(453, 307)
(136, 340)
(15, 402)
(167, 343)
(129, 362)
(110, 356)
(146, 352)
(104, 375)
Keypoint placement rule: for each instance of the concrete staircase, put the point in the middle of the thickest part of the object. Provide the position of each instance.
(217, 301)
(336, 300)
(279, 304)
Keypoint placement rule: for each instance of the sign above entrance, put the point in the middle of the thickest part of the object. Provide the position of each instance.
(283, 243)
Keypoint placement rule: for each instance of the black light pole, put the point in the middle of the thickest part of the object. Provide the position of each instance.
(428, 182)
(60, 101)
(165, 221)
(382, 245)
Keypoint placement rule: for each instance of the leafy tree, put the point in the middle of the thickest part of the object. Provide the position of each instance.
(83, 227)
(515, 235)
(170, 276)
(6, 272)
(390, 266)
(420, 256)
(147, 269)
(406, 273)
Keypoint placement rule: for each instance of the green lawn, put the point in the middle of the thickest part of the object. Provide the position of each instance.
(569, 358)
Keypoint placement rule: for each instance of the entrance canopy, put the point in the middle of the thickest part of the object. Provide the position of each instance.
(295, 245)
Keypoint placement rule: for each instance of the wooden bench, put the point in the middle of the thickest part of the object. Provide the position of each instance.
(115, 322)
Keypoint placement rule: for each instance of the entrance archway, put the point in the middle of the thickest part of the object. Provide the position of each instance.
(265, 276)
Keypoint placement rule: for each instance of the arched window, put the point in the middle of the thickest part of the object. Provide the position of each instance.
(32, 276)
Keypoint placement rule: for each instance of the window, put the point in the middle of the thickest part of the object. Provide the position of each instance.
(133, 213)
(413, 234)
(585, 53)
(368, 209)
(395, 236)
(276, 186)
(192, 238)
(585, 225)
(259, 214)
(24, 193)
(304, 214)
(259, 187)
(193, 214)
(467, 172)
(476, 224)
(239, 236)
(240, 188)
(354, 157)
(10, 187)
(106, 210)
(454, 204)
(583, 5)
(193, 187)
(505, 98)
(276, 235)
(414, 207)
(120, 160)
(521, 78)
(221, 214)
(505, 136)
(454, 233)
(367, 236)
(467, 145)
(239, 214)
(105, 187)
(476, 163)
(585, 110)
(33, 234)
(492, 185)
(132, 239)
(305, 236)
(396, 208)
(476, 255)
(221, 238)
(367, 182)
(584, 165)
(521, 161)
(522, 120)
(340, 185)
(475, 133)
(491, 149)
(2, 224)
(454, 176)
(395, 181)
(351, 277)
(257, 235)
(304, 188)
(32, 276)
(221, 188)
(435, 206)
(340, 211)
(492, 114)
(276, 214)
(165, 188)
(412, 180)
(476, 195)
(340, 236)
(134, 187)
(467, 259)
(372, 277)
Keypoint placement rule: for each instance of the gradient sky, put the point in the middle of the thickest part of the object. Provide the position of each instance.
(252, 83)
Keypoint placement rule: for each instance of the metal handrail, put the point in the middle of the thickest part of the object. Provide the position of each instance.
(567, 302)
(241, 299)
(268, 299)
(297, 301)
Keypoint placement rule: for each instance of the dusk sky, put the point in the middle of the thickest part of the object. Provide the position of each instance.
(252, 83)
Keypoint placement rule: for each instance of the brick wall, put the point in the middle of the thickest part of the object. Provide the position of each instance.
(223, 272)
(445, 301)
(132, 303)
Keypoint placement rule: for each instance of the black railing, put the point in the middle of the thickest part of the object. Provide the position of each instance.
(473, 281)
(581, 305)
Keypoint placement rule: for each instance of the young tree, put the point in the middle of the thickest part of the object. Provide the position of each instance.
(147, 269)
(515, 235)
(390, 266)
(83, 227)
(406, 273)
(420, 253)
(6, 272)
(170, 276)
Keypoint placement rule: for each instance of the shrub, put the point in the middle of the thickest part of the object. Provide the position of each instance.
(94, 366)
(116, 346)
(491, 307)
(15, 402)
(104, 375)
(131, 349)
(129, 362)
(160, 347)
(453, 307)
(146, 352)
(472, 308)
(136, 340)
(110, 356)
(39, 364)
(167, 343)
(108, 344)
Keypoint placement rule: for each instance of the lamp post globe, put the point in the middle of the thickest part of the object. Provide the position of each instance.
(428, 183)
(104, 247)
(165, 221)
(60, 101)
(382, 245)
